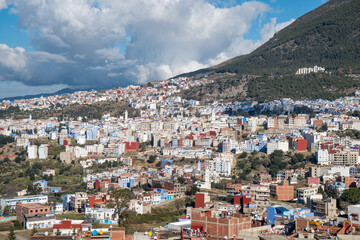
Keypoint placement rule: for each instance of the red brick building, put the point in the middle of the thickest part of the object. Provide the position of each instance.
(219, 227)
(241, 200)
(301, 145)
(312, 181)
(201, 199)
(284, 192)
(131, 146)
(30, 210)
(233, 188)
(349, 181)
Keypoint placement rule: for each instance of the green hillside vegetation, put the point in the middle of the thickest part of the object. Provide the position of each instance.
(90, 111)
(328, 36)
(316, 85)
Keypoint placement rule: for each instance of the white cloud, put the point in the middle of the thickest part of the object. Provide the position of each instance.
(3, 4)
(269, 29)
(79, 42)
(13, 59)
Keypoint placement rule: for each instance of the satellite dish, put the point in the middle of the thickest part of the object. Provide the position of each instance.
(46, 233)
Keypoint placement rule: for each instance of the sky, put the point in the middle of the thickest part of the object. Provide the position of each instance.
(47, 45)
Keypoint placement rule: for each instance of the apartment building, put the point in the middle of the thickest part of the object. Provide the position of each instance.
(322, 157)
(325, 207)
(273, 145)
(344, 158)
(32, 151)
(353, 215)
(201, 198)
(34, 215)
(218, 226)
(179, 190)
(233, 188)
(12, 202)
(30, 210)
(283, 192)
(101, 215)
(78, 200)
(256, 192)
(303, 194)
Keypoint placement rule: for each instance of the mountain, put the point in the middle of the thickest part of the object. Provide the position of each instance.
(328, 36)
(59, 92)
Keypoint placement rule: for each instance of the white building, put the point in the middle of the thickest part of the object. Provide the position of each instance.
(95, 149)
(277, 145)
(32, 151)
(354, 213)
(79, 151)
(23, 200)
(49, 172)
(315, 69)
(219, 166)
(303, 194)
(43, 151)
(81, 140)
(45, 221)
(340, 171)
(322, 157)
(101, 215)
(140, 207)
(57, 208)
(53, 135)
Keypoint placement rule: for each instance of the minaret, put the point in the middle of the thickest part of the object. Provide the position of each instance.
(30, 117)
(207, 178)
(213, 117)
(126, 116)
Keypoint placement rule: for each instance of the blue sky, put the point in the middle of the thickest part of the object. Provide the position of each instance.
(46, 46)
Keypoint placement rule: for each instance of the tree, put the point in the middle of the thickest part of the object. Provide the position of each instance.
(243, 155)
(33, 231)
(157, 185)
(351, 195)
(230, 199)
(179, 204)
(323, 128)
(120, 199)
(321, 191)
(58, 233)
(11, 235)
(17, 225)
(152, 159)
(189, 202)
(181, 180)
(33, 189)
(146, 187)
(6, 211)
(194, 189)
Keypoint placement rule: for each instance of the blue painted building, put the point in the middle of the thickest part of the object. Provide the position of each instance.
(274, 212)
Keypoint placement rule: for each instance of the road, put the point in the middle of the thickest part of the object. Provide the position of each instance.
(20, 237)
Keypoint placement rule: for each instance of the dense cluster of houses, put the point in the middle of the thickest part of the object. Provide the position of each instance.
(196, 147)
